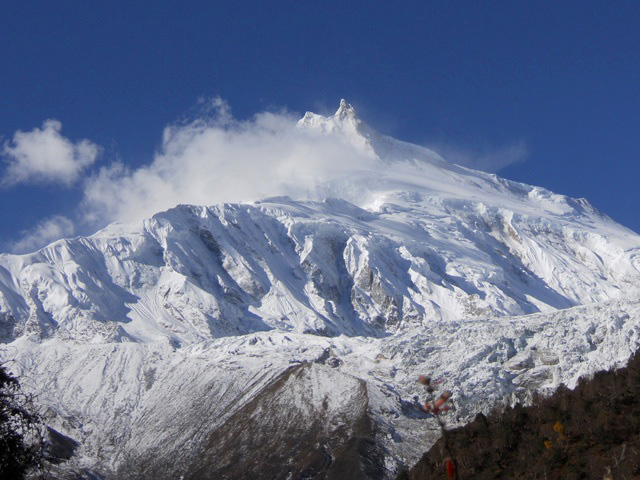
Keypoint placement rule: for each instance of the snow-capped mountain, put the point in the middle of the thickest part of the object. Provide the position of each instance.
(166, 347)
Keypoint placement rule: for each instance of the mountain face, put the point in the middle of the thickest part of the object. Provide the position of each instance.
(289, 332)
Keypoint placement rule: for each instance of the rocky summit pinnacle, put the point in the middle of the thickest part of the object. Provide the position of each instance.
(346, 111)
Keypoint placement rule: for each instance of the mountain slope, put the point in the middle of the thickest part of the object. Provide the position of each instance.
(148, 337)
(426, 241)
(329, 267)
(590, 432)
(310, 432)
(126, 403)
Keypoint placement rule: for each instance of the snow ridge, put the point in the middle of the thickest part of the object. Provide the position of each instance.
(330, 268)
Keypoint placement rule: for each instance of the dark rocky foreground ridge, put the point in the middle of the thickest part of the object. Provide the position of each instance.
(342, 450)
(592, 431)
(289, 430)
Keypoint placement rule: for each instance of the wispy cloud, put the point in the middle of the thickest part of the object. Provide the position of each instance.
(43, 155)
(45, 232)
(216, 158)
(487, 159)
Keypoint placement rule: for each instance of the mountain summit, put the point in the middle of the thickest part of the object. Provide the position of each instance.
(347, 125)
(344, 124)
(186, 322)
(345, 118)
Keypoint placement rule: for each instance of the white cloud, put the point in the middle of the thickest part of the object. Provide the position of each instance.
(485, 159)
(43, 155)
(42, 234)
(216, 159)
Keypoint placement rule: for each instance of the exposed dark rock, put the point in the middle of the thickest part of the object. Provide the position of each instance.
(280, 435)
(59, 446)
(311, 422)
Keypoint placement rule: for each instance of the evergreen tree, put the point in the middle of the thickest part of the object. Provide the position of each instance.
(21, 442)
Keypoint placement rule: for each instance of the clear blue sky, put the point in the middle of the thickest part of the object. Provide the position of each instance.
(561, 77)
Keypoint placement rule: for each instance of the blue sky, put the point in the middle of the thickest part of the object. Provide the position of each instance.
(550, 86)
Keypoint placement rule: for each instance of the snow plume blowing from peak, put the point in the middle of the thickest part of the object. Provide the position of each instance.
(216, 158)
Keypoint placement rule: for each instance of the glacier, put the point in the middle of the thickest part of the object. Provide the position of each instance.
(159, 345)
